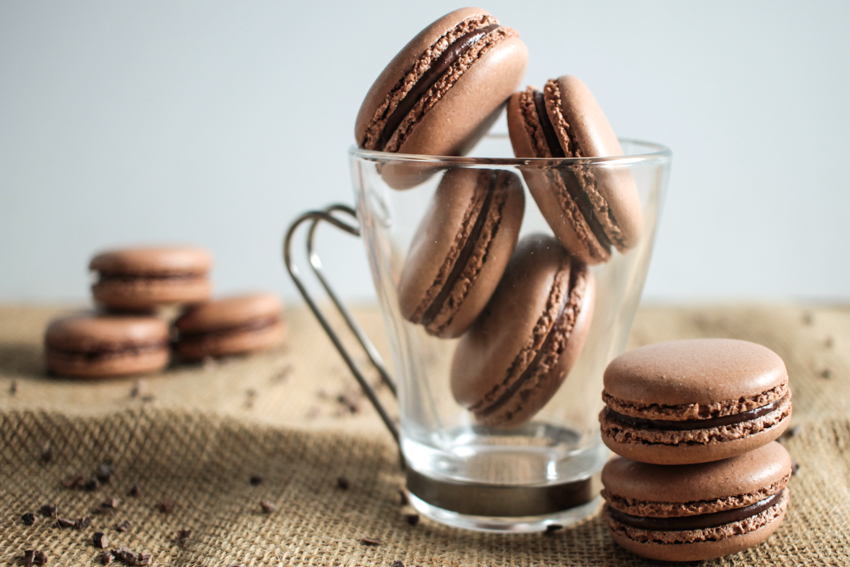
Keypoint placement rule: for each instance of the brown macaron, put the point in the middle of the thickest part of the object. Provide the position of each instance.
(529, 336)
(92, 345)
(233, 325)
(461, 249)
(694, 401)
(589, 207)
(143, 278)
(696, 512)
(444, 89)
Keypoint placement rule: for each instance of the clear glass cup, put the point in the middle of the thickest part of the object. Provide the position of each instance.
(460, 472)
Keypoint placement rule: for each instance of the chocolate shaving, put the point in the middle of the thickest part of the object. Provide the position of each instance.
(65, 523)
(48, 511)
(101, 540)
(342, 483)
(28, 518)
(123, 526)
(74, 480)
(267, 506)
(82, 523)
(412, 519)
(166, 505)
(371, 541)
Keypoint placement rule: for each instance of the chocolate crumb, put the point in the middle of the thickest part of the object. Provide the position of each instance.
(349, 402)
(412, 519)
(402, 497)
(109, 504)
(134, 490)
(123, 526)
(106, 558)
(267, 506)
(795, 468)
(65, 523)
(808, 318)
(397, 564)
(104, 472)
(82, 523)
(149, 398)
(92, 484)
(183, 535)
(371, 541)
(46, 455)
(829, 342)
(101, 541)
(826, 373)
(143, 559)
(166, 505)
(552, 528)
(28, 519)
(255, 479)
(74, 480)
(13, 388)
(34, 557)
(48, 511)
(343, 483)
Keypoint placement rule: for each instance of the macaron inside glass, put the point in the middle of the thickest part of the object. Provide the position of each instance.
(590, 207)
(92, 345)
(233, 325)
(696, 512)
(461, 249)
(144, 278)
(520, 350)
(694, 401)
(442, 91)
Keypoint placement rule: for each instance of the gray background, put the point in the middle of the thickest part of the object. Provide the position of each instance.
(217, 122)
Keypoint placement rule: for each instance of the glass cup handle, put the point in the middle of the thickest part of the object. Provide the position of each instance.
(330, 215)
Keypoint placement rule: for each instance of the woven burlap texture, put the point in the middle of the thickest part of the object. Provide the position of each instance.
(195, 435)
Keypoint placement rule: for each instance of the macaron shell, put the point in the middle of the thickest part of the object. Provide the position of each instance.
(435, 241)
(89, 331)
(699, 550)
(230, 311)
(153, 260)
(613, 192)
(145, 294)
(549, 191)
(238, 342)
(747, 473)
(545, 390)
(79, 366)
(685, 454)
(694, 371)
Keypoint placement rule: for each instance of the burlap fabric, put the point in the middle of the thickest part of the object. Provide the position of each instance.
(195, 435)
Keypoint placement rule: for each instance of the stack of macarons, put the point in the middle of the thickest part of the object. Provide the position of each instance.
(130, 333)
(467, 273)
(694, 422)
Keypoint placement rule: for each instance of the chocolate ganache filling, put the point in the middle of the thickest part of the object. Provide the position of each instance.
(255, 325)
(446, 59)
(571, 182)
(465, 253)
(104, 277)
(699, 522)
(557, 327)
(690, 424)
(106, 351)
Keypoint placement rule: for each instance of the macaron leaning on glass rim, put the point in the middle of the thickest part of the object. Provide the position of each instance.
(520, 350)
(460, 249)
(144, 278)
(93, 345)
(590, 207)
(232, 325)
(694, 401)
(442, 92)
(700, 511)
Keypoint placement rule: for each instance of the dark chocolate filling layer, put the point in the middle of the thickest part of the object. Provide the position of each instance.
(690, 424)
(446, 59)
(538, 357)
(112, 350)
(571, 182)
(255, 325)
(463, 258)
(129, 277)
(699, 522)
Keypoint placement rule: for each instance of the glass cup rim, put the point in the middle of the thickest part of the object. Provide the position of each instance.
(652, 153)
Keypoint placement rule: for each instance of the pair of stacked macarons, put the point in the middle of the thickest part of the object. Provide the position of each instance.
(699, 474)
(467, 274)
(130, 333)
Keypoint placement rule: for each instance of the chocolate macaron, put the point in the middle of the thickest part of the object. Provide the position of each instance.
(696, 512)
(694, 401)
(444, 89)
(91, 345)
(139, 279)
(233, 325)
(527, 339)
(461, 249)
(589, 207)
